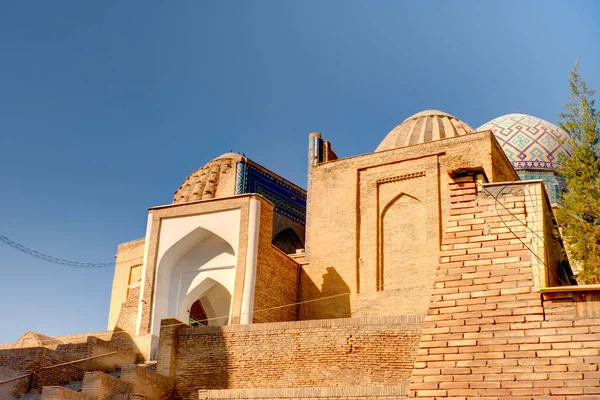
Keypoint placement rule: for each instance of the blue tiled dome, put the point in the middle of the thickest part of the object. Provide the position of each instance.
(529, 142)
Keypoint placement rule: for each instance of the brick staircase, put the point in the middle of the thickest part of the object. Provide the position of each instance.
(75, 386)
(134, 382)
(94, 369)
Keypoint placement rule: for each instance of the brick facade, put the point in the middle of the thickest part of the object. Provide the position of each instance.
(490, 332)
(359, 239)
(129, 255)
(60, 393)
(40, 362)
(421, 280)
(147, 385)
(101, 386)
(340, 352)
(321, 393)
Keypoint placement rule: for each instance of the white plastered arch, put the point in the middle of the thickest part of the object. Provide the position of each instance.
(193, 251)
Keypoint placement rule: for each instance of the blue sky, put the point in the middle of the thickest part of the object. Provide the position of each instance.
(105, 107)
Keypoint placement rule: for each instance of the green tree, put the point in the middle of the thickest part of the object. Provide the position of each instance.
(579, 214)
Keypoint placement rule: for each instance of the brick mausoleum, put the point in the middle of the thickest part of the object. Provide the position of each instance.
(425, 269)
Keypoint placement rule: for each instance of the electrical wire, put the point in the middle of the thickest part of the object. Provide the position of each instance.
(55, 260)
(104, 265)
(497, 201)
(106, 333)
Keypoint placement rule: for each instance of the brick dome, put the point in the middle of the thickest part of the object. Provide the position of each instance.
(426, 126)
(204, 183)
(529, 142)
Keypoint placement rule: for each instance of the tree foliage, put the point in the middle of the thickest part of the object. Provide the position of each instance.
(579, 214)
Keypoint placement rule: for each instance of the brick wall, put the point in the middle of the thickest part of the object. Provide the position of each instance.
(276, 283)
(60, 393)
(99, 347)
(55, 376)
(11, 387)
(28, 360)
(167, 347)
(489, 332)
(39, 360)
(23, 360)
(128, 255)
(101, 386)
(36, 360)
(355, 351)
(325, 393)
(147, 385)
(358, 237)
(128, 315)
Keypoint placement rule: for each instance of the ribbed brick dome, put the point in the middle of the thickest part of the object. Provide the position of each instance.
(426, 126)
(203, 183)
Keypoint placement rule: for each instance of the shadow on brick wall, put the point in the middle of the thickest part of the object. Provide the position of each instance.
(335, 295)
(125, 339)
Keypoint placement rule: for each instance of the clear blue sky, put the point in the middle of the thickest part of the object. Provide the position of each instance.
(106, 106)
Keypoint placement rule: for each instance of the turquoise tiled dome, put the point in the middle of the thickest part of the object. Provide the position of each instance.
(529, 142)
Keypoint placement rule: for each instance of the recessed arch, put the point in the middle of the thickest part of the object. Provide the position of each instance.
(287, 240)
(402, 234)
(188, 269)
(214, 298)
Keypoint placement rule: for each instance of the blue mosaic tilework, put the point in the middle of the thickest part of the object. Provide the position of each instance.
(555, 184)
(287, 200)
(528, 142)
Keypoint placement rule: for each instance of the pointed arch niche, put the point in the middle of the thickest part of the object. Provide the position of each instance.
(402, 236)
(196, 263)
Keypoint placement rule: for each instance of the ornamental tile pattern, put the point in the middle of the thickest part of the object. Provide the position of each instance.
(529, 142)
(555, 184)
(287, 200)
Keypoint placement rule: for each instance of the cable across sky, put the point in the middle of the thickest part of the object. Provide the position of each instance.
(55, 260)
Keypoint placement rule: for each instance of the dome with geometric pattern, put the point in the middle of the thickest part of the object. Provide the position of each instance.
(426, 126)
(529, 142)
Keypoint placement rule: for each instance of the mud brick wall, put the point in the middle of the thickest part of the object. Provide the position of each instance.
(146, 384)
(325, 393)
(340, 352)
(33, 360)
(24, 360)
(98, 347)
(102, 386)
(490, 332)
(276, 290)
(60, 393)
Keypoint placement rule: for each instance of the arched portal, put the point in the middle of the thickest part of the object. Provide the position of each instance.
(199, 266)
(402, 242)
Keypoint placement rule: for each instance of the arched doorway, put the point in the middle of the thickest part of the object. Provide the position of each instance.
(198, 267)
(209, 303)
(197, 314)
